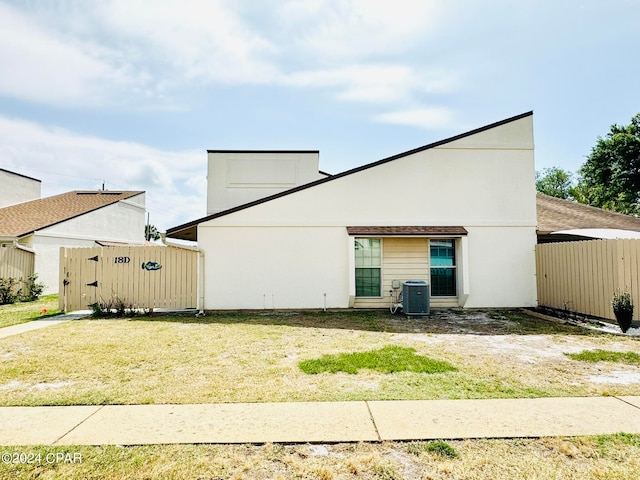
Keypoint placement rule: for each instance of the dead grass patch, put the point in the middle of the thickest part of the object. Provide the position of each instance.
(581, 458)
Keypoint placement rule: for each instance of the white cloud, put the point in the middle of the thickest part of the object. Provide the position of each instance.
(358, 29)
(112, 52)
(376, 82)
(203, 40)
(429, 118)
(96, 53)
(38, 64)
(175, 182)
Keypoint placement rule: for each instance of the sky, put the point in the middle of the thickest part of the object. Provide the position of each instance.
(130, 94)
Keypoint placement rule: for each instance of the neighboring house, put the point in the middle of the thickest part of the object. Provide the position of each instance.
(16, 188)
(563, 220)
(73, 219)
(459, 214)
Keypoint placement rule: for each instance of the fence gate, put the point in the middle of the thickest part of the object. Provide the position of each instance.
(140, 277)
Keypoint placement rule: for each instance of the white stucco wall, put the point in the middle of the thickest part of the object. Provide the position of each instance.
(238, 177)
(279, 267)
(501, 267)
(485, 183)
(16, 188)
(120, 222)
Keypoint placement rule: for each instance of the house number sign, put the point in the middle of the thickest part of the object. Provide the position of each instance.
(149, 266)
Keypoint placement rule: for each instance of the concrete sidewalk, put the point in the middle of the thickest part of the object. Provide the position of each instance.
(42, 323)
(318, 422)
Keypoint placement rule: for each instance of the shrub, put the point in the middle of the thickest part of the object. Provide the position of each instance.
(622, 305)
(114, 308)
(9, 290)
(32, 289)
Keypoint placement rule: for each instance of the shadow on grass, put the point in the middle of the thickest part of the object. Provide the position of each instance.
(441, 321)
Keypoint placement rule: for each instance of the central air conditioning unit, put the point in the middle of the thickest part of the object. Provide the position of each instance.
(415, 298)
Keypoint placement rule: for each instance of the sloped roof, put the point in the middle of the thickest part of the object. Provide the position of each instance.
(556, 214)
(27, 217)
(188, 231)
(20, 175)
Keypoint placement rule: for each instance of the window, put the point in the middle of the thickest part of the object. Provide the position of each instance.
(443, 268)
(368, 267)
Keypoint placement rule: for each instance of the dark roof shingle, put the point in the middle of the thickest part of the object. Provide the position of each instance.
(407, 230)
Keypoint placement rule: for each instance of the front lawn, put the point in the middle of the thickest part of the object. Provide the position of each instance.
(256, 357)
(22, 312)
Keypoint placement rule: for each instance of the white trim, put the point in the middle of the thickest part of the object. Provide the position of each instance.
(381, 267)
(128, 201)
(351, 259)
(41, 233)
(455, 267)
(463, 272)
(600, 233)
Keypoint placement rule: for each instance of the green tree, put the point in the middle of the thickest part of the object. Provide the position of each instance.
(151, 233)
(555, 182)
(610, 178)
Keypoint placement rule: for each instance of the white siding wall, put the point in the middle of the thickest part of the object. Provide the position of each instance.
(17, 189)
(484, 182)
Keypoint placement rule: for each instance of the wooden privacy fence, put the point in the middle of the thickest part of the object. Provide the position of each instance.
(139, 277)
(16, 263)
(582, 276)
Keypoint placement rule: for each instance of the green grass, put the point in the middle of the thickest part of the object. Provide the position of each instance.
(22, 312)
(629, 358)
(389, 359)
(437, 447)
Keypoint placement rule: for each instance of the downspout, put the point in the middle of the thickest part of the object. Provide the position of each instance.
(200, 298)
(22, 247)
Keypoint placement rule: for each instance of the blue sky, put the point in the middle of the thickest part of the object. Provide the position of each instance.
(133, 92)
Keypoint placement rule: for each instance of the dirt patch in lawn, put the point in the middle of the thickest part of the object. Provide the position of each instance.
(255, 358)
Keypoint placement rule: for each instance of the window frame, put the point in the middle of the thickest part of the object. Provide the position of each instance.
(453, 268)
(370, 267)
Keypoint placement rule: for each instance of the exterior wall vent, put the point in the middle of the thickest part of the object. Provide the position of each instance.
(415, 298)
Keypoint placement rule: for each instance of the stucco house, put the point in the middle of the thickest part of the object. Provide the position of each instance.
(17, 188)
(73, 219)
(459, 214)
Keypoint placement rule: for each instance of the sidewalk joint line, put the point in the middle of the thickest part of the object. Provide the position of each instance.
(76, 426)
(628, 403)
(373, 420)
